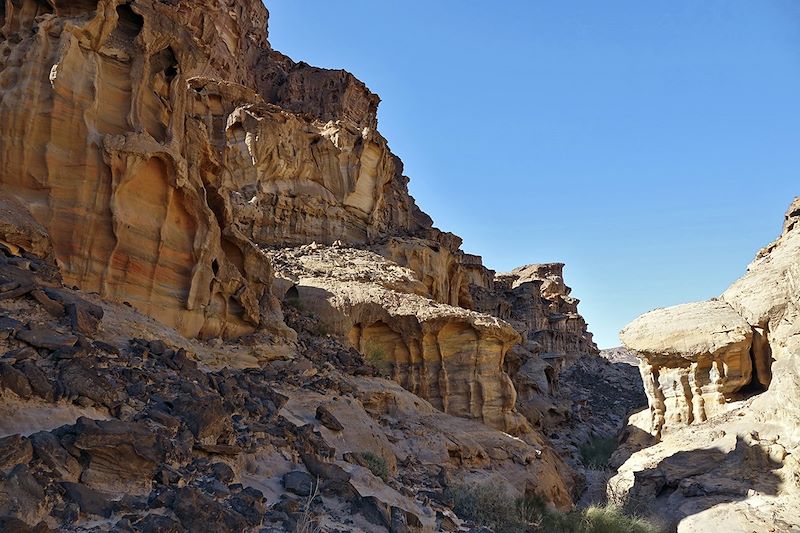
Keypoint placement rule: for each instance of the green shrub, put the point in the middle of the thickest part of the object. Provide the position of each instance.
(596, 453)
(491, 506)
(611, 519)
(487, 505)
(376, 355)
(376, 464)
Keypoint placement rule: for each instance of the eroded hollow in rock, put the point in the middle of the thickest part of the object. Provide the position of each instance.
(165, 62)
(292, 296)
(75, 8)
(129, 24)
(24, 13)
(761, 356)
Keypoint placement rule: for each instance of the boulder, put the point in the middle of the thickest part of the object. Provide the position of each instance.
(119, 456)
(14, 450)
(47, 338)
(298, 482)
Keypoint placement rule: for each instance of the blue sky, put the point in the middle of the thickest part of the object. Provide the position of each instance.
(651, 146)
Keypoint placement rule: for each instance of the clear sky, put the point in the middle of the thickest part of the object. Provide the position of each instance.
(651, 146)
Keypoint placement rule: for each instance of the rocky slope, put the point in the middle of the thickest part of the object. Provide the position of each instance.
(210, 264)
(723, 389)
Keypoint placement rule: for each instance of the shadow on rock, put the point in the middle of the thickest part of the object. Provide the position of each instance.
(690, 482)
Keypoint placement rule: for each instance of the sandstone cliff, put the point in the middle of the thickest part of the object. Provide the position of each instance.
(159, 158)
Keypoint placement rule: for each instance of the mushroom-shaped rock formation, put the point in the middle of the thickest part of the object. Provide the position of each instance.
(693, 356)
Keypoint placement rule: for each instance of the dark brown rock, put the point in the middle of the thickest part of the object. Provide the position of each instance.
(199, 512)
(298, 482)
(90, 501)
(43, 337)
(78, 378)
(327, 419)
(154, 523)
(21, 495)
(222, 472)
(53, 307)
(14, 450)
(118, 454)
(9, 326)
(48, 449)
(205, 416)
(40, 385)
(15, 381)
(249, 503)
(9, 524)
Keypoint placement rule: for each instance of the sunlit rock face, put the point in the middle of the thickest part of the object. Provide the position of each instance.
(721, 463)
(696, 357)
(448, 355)
(156, 141)
(693, 357)
(114, 151)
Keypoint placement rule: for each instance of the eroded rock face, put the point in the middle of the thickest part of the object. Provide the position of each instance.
(113, 150)
(448, 355)
(535, 299)
(693, 357)
(160, 148)
(738, 469)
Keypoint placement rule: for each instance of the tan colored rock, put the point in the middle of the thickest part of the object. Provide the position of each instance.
(156, 143)
(20, 231)
(104, 140)
(737, 470)
(438, 265)
(428, 438)
(448, 355)
(694, 357)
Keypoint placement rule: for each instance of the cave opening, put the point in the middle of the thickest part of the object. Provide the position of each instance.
(761, 360)
(129, 23)
(292, 296)
(166, 63)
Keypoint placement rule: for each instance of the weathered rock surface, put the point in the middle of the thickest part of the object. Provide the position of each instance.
(694, 356)
(155, 156)
(177, 446)
(447, 355)
(736, 468)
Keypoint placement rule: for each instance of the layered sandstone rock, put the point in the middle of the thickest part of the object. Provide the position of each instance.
(115, 151)
(694, 357)
(448, 355)
(160, 143)
(439, 264)
(160, 152)
(535, 299)
(144, 138)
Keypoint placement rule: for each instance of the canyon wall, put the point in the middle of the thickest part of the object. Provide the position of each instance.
(171, 156)
(163, 146)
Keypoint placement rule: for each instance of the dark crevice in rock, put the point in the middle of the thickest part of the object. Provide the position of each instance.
(129, 23)
(761, 358)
